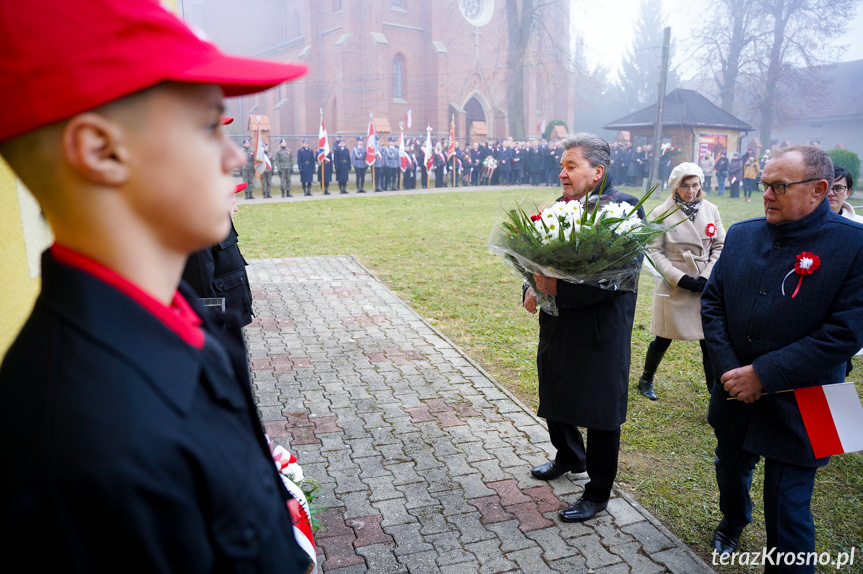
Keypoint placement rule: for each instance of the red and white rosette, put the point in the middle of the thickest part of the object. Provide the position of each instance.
(807, 263)
(291, 475)
(710, 230)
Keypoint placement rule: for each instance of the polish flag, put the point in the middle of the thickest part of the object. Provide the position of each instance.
(429, 151)
(370, 144)
(408, 119)
(403, 156)
(262, 163)
(833, 417)
(451, 149)
(541, 127)
(323, 141)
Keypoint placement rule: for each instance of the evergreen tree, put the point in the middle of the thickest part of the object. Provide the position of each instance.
(638, 80)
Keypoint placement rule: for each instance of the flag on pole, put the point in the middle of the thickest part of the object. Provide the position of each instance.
(541, 127)
(403, 154)
(261, 160)
(408, 119)
(323, 142)
(450, 151)
(371, 142)
(833, 417)
(429, 150)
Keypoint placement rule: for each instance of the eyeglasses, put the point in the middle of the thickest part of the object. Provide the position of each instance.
(781, 188)
(695, 186)
(839, 189)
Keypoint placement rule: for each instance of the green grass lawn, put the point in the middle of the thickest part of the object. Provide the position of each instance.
(431, 250)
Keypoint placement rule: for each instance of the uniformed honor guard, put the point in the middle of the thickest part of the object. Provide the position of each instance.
(248, 170)
(267, 174)
(306, 161)
(391, 165)
(342, 158)
(324, 170)
(358, 158)
(285, 165)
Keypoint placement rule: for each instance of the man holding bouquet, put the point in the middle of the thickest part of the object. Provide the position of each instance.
(584, 351)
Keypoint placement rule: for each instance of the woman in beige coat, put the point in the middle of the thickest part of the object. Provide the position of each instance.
(685, 255)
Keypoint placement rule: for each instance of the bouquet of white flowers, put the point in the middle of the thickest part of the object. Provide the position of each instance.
(600, 244)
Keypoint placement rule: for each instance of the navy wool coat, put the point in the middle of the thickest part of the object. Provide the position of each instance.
(790, 342)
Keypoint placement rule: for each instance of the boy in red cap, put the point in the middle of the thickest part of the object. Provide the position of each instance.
(128, 431)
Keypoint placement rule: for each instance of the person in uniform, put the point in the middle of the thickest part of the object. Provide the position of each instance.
(267, 174)
(324, 171)
(358, 159)
(285, 165)
(306, 163)
(342, 159)
(391, 165)
(593, 328)
(248, 169)
(378, 167)
(129, 432)
(219, 272)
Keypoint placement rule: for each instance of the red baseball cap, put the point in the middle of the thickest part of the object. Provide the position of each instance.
(60, 58)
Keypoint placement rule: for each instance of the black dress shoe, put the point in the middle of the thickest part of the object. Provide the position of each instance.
(724, 542)
(582, 510)
(552, 470)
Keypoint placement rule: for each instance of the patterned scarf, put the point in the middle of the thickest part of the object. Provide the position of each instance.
(690, 209)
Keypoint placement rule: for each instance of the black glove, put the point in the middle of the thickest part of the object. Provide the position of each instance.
(702, 283)
(688, 283)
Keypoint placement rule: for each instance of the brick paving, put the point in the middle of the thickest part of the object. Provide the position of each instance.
(422, 457)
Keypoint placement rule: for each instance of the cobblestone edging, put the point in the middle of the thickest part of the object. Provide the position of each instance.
(423, 458)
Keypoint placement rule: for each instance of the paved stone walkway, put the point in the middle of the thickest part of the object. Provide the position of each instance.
(423, 459)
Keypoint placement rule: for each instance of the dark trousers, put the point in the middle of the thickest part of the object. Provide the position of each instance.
(735, 188)
(787, 496)
(361, 177)
(600, 456)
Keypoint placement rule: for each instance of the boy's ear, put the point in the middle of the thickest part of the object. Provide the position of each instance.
(96, 150)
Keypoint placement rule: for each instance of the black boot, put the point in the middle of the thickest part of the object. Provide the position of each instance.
(651, 363)
(307, 189)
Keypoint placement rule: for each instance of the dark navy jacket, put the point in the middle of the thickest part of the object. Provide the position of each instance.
(791, 342)
(125, 448)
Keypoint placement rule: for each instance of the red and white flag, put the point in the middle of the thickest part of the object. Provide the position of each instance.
(403, 156)
(408, 119)
(450, 151)
(429, 151)
(323, 141)
(371, 142)
(541, 127)
(833, 417)
(262, 162)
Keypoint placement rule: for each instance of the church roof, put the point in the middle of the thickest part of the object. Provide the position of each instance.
(682, 108)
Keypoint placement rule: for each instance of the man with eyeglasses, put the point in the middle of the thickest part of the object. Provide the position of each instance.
(771, 330)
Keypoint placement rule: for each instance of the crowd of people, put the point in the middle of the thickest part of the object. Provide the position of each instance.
(504, 162)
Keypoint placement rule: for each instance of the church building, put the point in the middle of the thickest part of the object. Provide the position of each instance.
(438, 60)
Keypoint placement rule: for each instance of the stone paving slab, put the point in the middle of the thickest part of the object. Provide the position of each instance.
(423, 458)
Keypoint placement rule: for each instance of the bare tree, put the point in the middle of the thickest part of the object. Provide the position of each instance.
(639, 71)
(801, 31)
(727, 40)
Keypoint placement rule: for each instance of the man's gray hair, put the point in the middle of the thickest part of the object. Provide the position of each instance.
(818, 163)
(595, 149)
